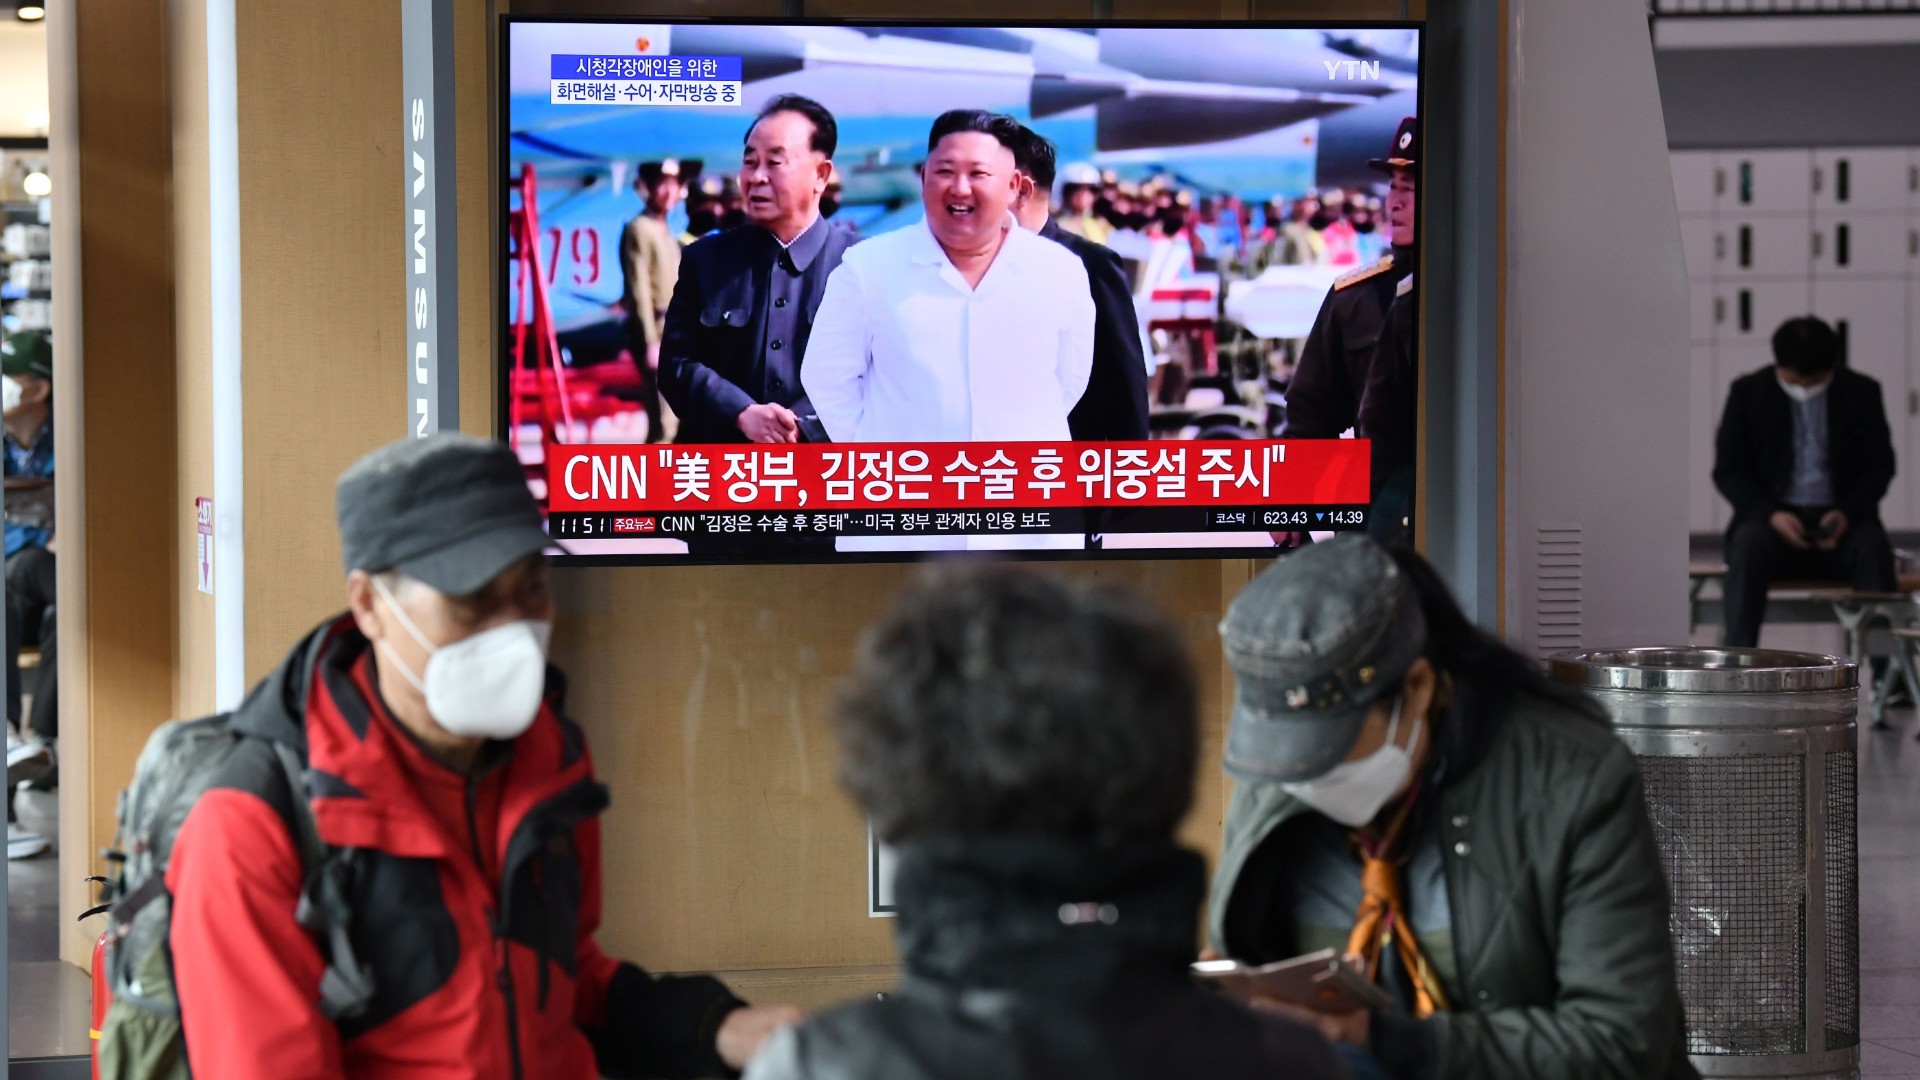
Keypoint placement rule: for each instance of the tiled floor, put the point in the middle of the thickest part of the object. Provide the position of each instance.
(1890, 900)
(49, 1000)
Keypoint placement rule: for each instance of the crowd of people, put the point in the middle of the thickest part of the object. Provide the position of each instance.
(394, 869)
(1339, 227)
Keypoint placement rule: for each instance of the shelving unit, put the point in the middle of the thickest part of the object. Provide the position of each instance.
(26, 266)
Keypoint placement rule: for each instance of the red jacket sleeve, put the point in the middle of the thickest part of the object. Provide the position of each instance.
(248, 975)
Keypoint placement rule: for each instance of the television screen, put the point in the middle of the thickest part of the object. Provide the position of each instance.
(806, 292)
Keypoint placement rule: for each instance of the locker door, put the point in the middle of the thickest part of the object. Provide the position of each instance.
(1693, 181)
(1705, 511)
(1698, 240)
(1860, 179)
(1871, 317)
(1850, 245)
(1765, 181)
(1748, 312)
(1778, 246)
(1700, 293)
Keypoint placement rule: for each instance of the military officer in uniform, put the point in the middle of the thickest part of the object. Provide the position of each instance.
(1389, 417)
(650, 265)
(1324, 398)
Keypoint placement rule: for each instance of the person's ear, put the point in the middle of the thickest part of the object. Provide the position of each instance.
(363, 601)
(35, 390)
(822, 175)
(1419, 688)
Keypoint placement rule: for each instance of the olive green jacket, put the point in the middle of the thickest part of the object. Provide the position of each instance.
(1559, 908)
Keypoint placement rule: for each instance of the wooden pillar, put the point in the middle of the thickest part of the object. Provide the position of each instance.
(114, 396)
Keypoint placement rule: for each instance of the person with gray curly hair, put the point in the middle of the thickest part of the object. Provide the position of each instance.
(1029, 746)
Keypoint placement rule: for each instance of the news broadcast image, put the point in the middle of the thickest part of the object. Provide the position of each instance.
(802, 293)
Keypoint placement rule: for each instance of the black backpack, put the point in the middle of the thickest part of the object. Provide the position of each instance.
(141, 1037)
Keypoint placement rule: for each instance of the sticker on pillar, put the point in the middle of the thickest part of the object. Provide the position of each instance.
(880, 860)
(203, 511)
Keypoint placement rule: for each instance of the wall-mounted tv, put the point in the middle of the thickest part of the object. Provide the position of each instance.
(804, 291)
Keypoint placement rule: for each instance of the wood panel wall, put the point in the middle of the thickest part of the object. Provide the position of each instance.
(114, 342)
(705, 692)
(323, 315)
(193, 347)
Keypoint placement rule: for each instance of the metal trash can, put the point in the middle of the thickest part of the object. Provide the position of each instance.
(1748, 760)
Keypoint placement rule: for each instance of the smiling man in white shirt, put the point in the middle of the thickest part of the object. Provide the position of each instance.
(966, 328)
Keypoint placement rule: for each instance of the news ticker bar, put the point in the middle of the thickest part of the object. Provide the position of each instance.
(681, 525)
(986, 477)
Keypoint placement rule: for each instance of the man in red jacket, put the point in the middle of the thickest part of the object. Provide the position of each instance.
(460, 809)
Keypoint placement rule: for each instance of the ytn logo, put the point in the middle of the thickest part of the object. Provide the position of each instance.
(1360, 70)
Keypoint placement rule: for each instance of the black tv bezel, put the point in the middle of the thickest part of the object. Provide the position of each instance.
(497, 252)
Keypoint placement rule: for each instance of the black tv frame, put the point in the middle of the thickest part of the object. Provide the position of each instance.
(501, 278)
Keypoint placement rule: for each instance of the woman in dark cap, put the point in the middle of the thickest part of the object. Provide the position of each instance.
(1402, 770)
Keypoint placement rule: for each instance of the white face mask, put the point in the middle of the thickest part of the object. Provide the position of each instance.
(10, 392)
(1803, 394)
(1354, 791)
(485, 686)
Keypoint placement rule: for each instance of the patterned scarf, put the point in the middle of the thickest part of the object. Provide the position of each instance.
(1381, 921)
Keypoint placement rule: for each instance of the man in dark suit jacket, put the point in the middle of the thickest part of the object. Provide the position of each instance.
(1323, 398)
(1389, 416)
(1804, 454)
(736, 329)
(1114, 406)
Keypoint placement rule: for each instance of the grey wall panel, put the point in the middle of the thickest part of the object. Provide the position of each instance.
(1859, 95)
(1459, 292)
(1596, 336)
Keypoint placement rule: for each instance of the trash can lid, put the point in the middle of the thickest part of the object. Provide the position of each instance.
(1703, 670)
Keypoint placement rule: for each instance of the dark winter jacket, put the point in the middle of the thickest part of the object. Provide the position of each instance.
(1031, 958)
(1557, 893)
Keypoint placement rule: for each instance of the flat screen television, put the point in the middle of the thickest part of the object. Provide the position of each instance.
(809, 291)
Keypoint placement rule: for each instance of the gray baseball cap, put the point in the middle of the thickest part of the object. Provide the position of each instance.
(449, 510)
(1314, 642)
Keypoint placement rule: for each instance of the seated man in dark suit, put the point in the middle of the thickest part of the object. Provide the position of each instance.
(1115, 403)
(736, 329)
(1805, 456)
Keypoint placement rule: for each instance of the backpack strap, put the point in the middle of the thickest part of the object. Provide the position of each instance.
(346, 988)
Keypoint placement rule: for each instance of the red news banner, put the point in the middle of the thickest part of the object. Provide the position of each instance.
(957, 476)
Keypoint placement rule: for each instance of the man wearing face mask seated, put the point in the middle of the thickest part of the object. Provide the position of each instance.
(1417, 796)
(444, 774)
(1804, 454)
